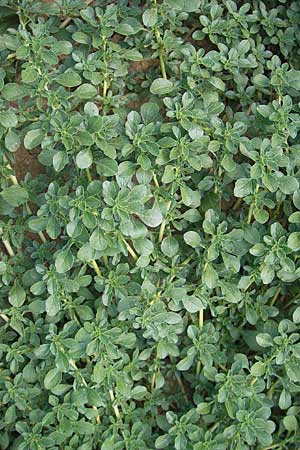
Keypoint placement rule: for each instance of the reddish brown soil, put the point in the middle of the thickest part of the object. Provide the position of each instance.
(27, 162)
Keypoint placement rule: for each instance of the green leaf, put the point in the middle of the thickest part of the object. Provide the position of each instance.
(37, 223)
(290, 422)
(192, 239)
(60, 160)
(296, 315)
(143, 246)
(52, 378)
(264, 340)
(295, 217)
(161, 86)
(170, 246)
(13, 92)
(162, 441)
(8, 119)
(85, 91)
(17, 295)
(64, 261)
(293, 78)
(288, 185)
(192, 304)
(12, 141)
(98, 240)
(243, 187)
(15, 195)
(70, 79)
(84, 159)
(150, 17)
(99, 372)
(129, 26)
(107, 167)
(152, 217)
(294, 241)
(33, 138)
(29, 75)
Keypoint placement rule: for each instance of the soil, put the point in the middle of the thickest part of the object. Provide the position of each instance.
(27, 162)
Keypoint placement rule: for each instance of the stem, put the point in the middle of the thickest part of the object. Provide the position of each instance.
(155, 180)
(8, 247)
(161, 58)
(115, 406)
(250, 213)
(105, 260)
(130, 250)
(179, 381)
(68, 19)
(88, 175)
(73, 364)
(201, 318)
(275, 296)
(163, 224)
(214, 427)
(105, 88)
(252, 206)
(96, 267)
(200, 324)
(162, 66)
(271, 447)
(237, 204)
(153, 378)
(4, 317)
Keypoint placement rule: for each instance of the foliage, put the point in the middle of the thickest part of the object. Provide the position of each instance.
(149, 275)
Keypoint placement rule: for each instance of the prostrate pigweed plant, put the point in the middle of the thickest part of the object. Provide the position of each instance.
(149, 284)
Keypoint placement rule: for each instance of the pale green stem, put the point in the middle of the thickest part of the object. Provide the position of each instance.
(8, 247)
(164, 223)
(130, 250)
(200, 324)
(96, 267)
(275, 296)
(252, 206)
(114, 405)
(73, 364)
(4, 317)
(88, 175)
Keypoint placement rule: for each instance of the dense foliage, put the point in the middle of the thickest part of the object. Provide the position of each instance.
(149, 274)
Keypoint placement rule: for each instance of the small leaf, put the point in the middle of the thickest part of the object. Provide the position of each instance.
(243, 187)
(192, 304)
(170, 246)
(8, 119)
(85, 91)
(64, 261)
(150, 17)
(33, 138)
(161, 86)
(294, 241)
(84, 159)
(69, 79)
(192, 238)
(12, 141)
(15, 195)
(296, 315)
(107, 167)
(13, 92)
(52, 378)
(152, 217)
(17, 295)
(264, 340)
(290, 423)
